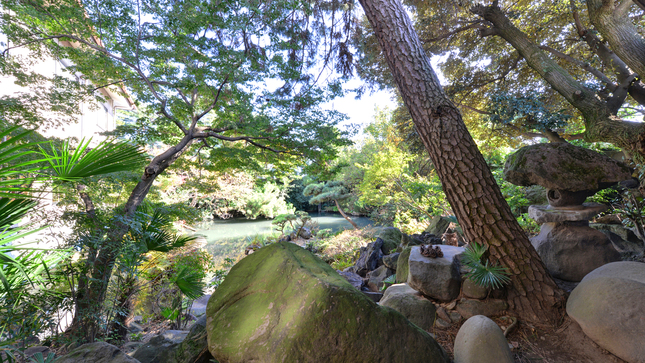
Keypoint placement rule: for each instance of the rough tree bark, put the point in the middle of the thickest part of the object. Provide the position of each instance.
(467, 181)
(612, 20)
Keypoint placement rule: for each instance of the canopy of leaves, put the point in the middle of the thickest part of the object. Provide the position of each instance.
(238, 77)
(492, 83)
(326, 192)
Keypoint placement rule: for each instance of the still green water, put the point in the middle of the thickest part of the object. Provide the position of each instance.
(228, 238)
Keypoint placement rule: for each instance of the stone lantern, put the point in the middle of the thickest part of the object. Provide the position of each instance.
(567, 245)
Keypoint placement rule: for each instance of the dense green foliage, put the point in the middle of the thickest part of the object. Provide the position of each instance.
(504, 96)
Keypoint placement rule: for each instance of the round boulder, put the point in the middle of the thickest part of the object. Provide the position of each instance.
(480, 340)
(411, 304)
(609, 305)
(562, 166)
(570, 250)
(284, 304)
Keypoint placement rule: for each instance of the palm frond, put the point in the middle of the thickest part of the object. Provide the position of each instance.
(13, 210)
(189, 282)
(483, 273)
(489, 276)
(14, 173)
(473, 253)
(108, 157)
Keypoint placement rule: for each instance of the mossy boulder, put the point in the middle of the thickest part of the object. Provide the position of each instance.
(563, 166)
(411, 304)
(438, 225)
(98, 352)
(391, 239)
(194, 349)
(283, 304)
(403, 265)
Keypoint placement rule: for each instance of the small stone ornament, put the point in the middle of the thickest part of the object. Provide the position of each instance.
(430, 251)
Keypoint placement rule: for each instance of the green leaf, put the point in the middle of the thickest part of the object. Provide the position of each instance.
(13, 210)
(108, 157)
(189, 282)
(483, 274)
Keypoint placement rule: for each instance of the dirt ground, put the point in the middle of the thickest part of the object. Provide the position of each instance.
(566, 344)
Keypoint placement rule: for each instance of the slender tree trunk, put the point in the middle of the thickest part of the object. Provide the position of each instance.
(467, 181)
(342, 213)
(89, 301)
(118, 330)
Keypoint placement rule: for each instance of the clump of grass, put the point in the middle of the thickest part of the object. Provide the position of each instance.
(343, 242)
(341, 250)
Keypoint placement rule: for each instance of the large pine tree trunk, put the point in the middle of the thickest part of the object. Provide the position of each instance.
(467, 181)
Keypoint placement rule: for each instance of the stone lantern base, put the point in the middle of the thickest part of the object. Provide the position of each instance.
(569, 248)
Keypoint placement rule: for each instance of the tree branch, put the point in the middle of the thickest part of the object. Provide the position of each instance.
(601, 76)
(476, 25)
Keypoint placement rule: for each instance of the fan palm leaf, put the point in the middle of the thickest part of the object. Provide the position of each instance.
(13, 210)
(189, 282)
(15, 164)
(109, 156)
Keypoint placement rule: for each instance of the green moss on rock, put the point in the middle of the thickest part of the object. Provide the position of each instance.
(403, 266)
(563, 166)
(391, 239)
(283, 304)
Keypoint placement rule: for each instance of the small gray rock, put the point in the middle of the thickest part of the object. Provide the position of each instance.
(407, 241)
(369, 257)
(411, 304)
(374, 296)
(438, 225)
(391, 260)
(375, 278)
(442, 313)
(455, 317)
(353, 278)
(175, 336)
(134, 327)
(480, 340)
(440, 323)
(471, 289)
(623, 239)
(491, 307)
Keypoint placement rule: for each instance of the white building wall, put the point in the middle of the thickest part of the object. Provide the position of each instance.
(95, 117)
